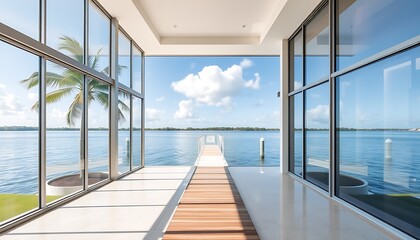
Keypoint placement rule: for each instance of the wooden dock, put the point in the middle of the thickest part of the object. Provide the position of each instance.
(211, 208)
(211, 156)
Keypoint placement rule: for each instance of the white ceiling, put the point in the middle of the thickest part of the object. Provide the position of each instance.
(210, 27)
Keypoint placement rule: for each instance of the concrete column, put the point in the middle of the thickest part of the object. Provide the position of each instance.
(284, 108)
(113, 153)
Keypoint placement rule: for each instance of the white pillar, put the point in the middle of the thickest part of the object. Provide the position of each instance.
(284, 108)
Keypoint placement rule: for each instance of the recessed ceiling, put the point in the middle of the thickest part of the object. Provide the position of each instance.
(210, 27)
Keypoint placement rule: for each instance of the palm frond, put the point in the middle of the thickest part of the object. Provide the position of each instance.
(73, 47)
(102, 98)
(54, 96)
(75, 109)
(93, 60)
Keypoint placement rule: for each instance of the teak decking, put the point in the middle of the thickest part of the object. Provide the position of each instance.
(211, 208)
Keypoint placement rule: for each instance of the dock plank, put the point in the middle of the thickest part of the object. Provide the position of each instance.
(211, 208)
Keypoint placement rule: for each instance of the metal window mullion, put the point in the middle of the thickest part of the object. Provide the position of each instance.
(142, 144)
(303, 103)
(333, 159)
(85, 126)
(131, 107)
(42, 132)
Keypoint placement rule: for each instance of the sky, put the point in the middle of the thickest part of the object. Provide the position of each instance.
(229, 91)
(212, 92)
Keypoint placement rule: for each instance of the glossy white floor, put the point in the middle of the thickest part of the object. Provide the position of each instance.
(140, 207)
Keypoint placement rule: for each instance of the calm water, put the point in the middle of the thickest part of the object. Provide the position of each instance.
(361, 154)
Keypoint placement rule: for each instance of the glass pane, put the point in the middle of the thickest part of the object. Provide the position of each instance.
(124, 145)
(317, 122)
(296, 63)
(368, 27)
(19, 132)
(98, 131)
(378, 139)
(124, 59)
(296, 122)
(137, 61)
(317, 58)
(136, 132)
(64, 113)
(65, 27)
(99, 39)
(22, 15)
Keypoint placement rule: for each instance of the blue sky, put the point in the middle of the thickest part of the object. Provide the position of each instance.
(212, 91)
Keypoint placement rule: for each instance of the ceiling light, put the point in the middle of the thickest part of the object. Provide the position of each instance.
(244, 26)
(174, 26)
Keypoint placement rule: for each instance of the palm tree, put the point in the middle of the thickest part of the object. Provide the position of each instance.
(70, 83)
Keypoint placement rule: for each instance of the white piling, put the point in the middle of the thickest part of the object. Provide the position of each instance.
(388, 148)
(127, 142)
(261, 147)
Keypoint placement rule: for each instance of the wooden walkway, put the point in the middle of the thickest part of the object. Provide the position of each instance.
(211, 208)
(211, 156)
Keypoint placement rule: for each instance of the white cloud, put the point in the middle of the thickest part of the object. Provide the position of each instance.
(246, 63)
(319, 114)
(254, 84)
(58, 114)
(32, 96)
(214, 87)
(153, 115)
(298, 85)
(185, 110)
(10, 104)
(160, 99)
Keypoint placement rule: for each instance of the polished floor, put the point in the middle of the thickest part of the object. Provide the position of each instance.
(141, 205)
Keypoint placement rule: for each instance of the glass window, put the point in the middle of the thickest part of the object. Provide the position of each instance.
(124, 144)
(136, 132)
(317, 48)
(99, 39)
(124, 55)
(296, 122)
(137, 69)
(19, 132)
(64, 139)
(65, 27)
(368, 27)
(22, 15)
(317, 124)
(296, 65)
(98, 131)
(378, 137)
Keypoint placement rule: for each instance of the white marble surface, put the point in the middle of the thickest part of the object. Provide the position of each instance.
(283, 208)
(136, 207)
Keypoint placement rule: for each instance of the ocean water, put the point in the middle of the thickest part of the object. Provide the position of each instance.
(360, 154)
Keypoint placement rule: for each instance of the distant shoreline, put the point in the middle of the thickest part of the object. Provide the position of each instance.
(243, 129)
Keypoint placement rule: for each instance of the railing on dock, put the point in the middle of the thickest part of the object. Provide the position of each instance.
(214, 139)
(211, 151)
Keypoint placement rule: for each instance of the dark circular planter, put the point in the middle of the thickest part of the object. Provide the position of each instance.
(67, 184)
(348, 184)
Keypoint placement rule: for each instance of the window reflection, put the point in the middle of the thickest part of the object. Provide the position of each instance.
(296, 120)
(99, 39)
(317, 120)
(65, 27)
(124, 55)
(124, 142)
(19, 124)
(317, 48)
(136, 132)
(296, 65)
(22, 15)
(378, 136)
(98, 131)
(368, 27)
